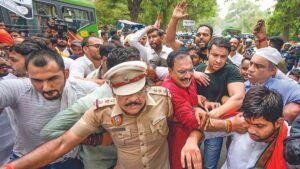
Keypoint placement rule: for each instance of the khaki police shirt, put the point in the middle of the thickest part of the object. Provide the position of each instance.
(141, 141)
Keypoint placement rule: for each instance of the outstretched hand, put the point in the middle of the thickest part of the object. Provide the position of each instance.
(180, 9)
(190, 155)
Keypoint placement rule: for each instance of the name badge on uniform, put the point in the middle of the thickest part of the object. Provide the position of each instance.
(117, 120)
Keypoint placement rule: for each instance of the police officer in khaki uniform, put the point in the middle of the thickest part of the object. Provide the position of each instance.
(136, 118)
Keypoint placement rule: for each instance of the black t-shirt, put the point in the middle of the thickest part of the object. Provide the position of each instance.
(217, 87)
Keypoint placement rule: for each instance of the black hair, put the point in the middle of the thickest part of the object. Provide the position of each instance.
(119, 55)
(174, 55)
(134, 53)
(41, 58)
(115, 37)
(209, 27)
(85, 41)
(219, 42)
(262, 102)
(277, 41)
(246, 58)
(106, 48)
(30, 45)
(197, 49)
(159, 31)
(103, 33)
(295, 72)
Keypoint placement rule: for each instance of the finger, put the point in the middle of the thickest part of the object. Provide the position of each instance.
(188, 161)
(198, 118)
(185, 15)
(206, 108)
(182, 159)
(198, 161)
(193, 158)
(206, 77)
(199, 82)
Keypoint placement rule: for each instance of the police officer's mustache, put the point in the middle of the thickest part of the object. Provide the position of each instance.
(133, 103)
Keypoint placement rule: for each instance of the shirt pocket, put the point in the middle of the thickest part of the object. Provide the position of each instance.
(160, 125)
(121, 137)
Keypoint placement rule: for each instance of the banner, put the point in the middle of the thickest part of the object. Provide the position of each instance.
(22, 8)
(188, 23)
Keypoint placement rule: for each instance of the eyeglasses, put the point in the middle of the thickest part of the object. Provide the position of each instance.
(95, 45)
(184, 72)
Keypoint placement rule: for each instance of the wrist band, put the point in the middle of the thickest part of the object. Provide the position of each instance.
(228, 126)
(8, 166)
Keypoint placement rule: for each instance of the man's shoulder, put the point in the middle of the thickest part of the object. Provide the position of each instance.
(159, 90)
(105, 102)
(201, 67)
(167, 49)
(230, 67)
(276, 81)
(22, 82)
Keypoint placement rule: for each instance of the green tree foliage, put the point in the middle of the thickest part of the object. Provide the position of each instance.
(285, 20)
(244, 15)
(109, 11)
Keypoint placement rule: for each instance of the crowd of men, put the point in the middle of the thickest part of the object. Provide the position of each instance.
(149, 100)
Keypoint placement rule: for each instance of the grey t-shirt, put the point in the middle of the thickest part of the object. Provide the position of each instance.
(33, 111)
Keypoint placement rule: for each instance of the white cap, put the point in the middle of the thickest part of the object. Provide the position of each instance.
(270, 54)
(127, 78)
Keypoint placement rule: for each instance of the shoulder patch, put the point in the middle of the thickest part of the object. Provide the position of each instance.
(158, 90)
(105, 102)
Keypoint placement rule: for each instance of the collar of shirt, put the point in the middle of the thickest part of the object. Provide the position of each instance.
(88, 61)
(149, 102)
(164, 51)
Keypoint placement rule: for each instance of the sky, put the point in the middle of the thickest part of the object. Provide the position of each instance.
(265, 4)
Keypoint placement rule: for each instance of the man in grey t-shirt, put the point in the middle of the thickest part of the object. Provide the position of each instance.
(36, 100)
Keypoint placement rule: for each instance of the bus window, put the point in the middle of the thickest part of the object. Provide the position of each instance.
(44, 12)
(76, 18)
(16, 21)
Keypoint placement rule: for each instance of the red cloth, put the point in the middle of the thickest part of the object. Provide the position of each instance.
(183, 101)
(5, 37)
(277, 160)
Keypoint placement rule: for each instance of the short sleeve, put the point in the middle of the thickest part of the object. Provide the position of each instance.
(233, 74)
(88, 123)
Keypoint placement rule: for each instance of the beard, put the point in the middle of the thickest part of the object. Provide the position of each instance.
(233, 48)
(51, 95)
(59, 45)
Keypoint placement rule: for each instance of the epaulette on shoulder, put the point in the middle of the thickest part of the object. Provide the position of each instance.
(105, 102)
(158, 90)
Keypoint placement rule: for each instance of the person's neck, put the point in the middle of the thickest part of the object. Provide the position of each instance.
(96, 62)
(61, 48)
(232, 53)
(209, 69)
(273, 136)
(158, 50)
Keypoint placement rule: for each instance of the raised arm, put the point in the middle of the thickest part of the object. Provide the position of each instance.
(260, 34)
(178, 13)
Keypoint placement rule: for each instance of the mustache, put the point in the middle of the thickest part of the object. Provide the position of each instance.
(51, 92)
(133, 103)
